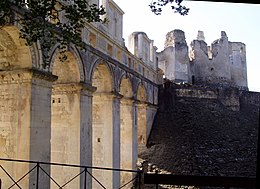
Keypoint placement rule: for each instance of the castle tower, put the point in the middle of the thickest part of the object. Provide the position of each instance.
(201, 36)
(220, 59)
(174, 60)
(210, 64)
(238, 66)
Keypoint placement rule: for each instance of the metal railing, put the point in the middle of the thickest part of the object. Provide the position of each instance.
(138, 181)
(85, 172)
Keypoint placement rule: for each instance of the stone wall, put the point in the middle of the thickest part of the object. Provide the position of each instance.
(197, 132)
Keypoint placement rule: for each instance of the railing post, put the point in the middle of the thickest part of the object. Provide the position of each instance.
(37, 175)
(157, 185)
(258, 151)
(140, 180)
(85, 178)
(143, 169)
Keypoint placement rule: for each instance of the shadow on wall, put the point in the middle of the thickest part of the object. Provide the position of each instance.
(166, 97)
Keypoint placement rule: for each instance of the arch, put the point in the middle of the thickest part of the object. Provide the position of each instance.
(68, 71)
(141, 93)
(72, 55)
(126, 88)
(14, 53)
(101, 77)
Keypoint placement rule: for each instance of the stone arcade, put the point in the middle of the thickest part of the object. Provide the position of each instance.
(95, 109)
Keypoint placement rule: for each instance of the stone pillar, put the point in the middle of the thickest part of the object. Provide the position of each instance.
(106, 139)
(86, 96)
(65, 131)
(142, 126)
(71, 130)
(25, 122)
(40, 127)
(128, 161)
(135, 133)
(116, 139)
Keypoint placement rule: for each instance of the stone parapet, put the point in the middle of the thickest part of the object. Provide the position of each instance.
(196, 93)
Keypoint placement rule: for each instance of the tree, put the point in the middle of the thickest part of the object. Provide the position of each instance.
(157, 5)
(50, 21)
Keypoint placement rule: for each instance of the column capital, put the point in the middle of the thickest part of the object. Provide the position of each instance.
(127, 101)
(141, 104)
(82, 88)
(117, 95)
(88, 87)
(43, 75)
(66, 88)
(25, 76)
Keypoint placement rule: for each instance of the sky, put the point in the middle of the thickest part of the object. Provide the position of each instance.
(240, 21)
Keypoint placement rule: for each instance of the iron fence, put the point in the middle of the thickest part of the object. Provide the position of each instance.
(84, 173)
(138, 181)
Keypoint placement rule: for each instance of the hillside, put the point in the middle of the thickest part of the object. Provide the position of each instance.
(203, 137)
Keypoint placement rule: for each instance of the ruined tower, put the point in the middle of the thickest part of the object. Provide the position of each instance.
(223, 63)
(174, 59)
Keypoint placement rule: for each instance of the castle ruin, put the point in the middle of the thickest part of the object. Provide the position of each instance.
(223, 63)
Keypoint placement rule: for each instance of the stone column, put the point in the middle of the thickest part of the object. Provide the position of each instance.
(106, 138)
(116, 139)
(25, 120)
(71, 130)
(86, 99)
(65, 132)
(128, 161)
(40, 127)
(142, 126)
(135, 133)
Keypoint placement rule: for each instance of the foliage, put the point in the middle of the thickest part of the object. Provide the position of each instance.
(51, 21)
(156, 6)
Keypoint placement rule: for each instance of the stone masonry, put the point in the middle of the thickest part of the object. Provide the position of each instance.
(196, 132)
(221, 63)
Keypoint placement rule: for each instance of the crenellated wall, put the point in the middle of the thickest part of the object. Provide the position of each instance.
(221, 63)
